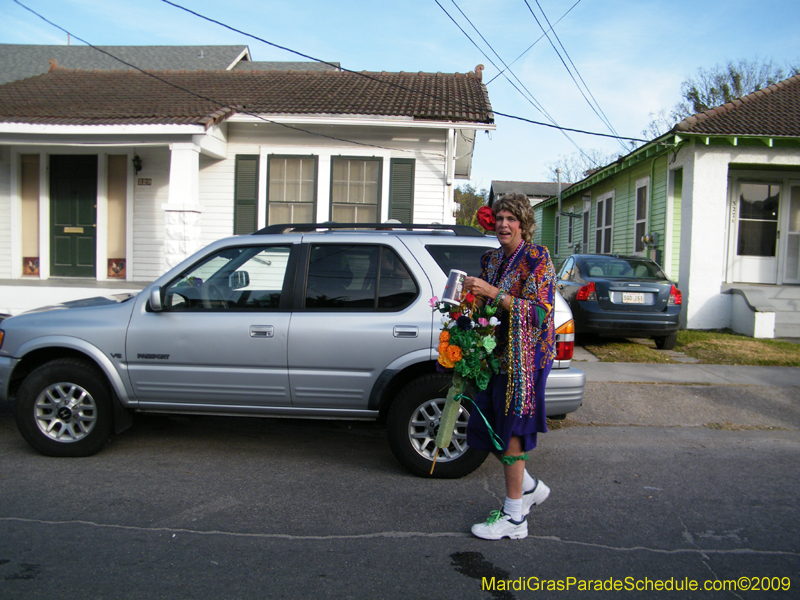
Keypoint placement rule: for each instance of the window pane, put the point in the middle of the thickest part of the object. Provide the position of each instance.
(396, 288)
(248, 278)
(607, 241)
(759, 201)
(609, 213)
(641, 203)
(757, 238)
(640, 231)
(342, 277)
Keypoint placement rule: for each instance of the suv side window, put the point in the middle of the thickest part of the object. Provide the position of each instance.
(244, 278)
(358, 277)
(463, 258)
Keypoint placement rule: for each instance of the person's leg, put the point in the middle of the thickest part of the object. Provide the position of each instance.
(514, 470)
(510, 522)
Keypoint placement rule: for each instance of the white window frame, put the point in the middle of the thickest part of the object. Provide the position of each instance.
(587, 216)
(556, 236)
(604, 232)
(639, 247)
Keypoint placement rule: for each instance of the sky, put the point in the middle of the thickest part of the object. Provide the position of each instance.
(629, 56)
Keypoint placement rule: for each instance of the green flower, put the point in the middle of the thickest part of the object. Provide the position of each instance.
(489, 343)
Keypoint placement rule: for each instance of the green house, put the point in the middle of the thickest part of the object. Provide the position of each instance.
(715, 201)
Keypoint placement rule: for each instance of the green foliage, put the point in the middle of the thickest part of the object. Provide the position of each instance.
(469, 200)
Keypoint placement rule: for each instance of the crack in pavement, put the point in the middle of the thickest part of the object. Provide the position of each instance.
(399, 535)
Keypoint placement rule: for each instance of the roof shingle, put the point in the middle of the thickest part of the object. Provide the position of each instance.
(65, 96)
(773, 111)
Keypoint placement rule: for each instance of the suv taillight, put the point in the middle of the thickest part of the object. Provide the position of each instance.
(565, 340)
(675, 296)
(587, 292)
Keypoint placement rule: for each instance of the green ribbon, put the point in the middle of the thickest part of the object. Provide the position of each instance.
(497, 441)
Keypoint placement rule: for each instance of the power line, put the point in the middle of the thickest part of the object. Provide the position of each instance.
(274, 45)
(219, 102)
(604, 121)
(366, 75)
(539, 39)
(531, 100)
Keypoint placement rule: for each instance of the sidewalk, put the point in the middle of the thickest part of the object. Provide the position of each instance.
(684, 374)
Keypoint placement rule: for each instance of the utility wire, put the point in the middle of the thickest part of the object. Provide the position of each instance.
(577, 72)
(602, 118)
(532, 100)
(539, 39)
(366, 75)
(219, 102)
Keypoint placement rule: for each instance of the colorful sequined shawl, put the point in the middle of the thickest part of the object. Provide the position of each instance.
(524, 343)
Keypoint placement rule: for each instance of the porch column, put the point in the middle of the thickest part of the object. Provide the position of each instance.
(703, 243)
(182, 212)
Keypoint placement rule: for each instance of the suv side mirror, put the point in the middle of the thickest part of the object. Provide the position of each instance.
(155, 299)
(239, 280)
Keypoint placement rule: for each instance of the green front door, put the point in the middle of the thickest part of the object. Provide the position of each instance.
(73, 215)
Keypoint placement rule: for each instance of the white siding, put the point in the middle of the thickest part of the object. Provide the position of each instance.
(5, 213)
(148, 214)
(216, 198)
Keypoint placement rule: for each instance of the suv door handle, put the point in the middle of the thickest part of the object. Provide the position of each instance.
(408, 331)
(262, 331)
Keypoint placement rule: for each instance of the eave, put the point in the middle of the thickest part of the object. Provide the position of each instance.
(655, 148)
(767, 141)
(362, 121)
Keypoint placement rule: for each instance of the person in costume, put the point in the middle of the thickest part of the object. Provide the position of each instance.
(519, 279)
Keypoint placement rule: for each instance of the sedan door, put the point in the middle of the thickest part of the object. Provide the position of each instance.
(220, 340)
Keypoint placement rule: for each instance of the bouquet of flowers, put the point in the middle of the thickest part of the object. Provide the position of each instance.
(466, 346)
(467, 339)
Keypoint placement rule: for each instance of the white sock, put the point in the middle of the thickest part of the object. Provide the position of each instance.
(528, 482)
(513, 508)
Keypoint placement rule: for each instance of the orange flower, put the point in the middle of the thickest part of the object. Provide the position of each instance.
(445, 363)
(443, 347)
(444, 336)
(454, 354)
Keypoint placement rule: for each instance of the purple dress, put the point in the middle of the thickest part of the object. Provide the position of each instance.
(513, 402)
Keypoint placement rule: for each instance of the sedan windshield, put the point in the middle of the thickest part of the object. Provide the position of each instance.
(625, 268)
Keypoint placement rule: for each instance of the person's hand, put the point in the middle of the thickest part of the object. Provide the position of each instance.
(480, 288)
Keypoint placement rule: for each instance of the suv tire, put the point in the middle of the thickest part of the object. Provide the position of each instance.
(64, 408)
(411, 428)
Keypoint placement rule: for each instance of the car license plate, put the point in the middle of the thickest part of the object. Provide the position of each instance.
(632, 297)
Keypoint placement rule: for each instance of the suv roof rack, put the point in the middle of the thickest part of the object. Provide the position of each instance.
(459, 230)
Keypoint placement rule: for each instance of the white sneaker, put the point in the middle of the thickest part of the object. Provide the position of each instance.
(536, 496)
(500, 525)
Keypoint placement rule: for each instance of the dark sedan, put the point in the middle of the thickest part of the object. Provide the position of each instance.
(622, 296)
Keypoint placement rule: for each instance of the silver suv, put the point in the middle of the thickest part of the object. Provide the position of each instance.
(317, 321)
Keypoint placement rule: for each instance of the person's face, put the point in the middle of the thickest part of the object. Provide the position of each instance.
(508, 230)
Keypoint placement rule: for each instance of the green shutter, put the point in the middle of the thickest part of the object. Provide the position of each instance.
(245, 196)
(401, 190)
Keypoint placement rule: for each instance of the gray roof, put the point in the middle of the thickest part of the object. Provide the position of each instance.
(20, 61)
(529, 188)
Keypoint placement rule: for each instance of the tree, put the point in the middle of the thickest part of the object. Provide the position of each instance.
(723, 83)
(578, 165)
(716, 86)
(469, 200)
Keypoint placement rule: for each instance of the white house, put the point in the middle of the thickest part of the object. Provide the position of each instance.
(108, 178)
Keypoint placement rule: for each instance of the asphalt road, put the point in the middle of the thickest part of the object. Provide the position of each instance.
(650, 483)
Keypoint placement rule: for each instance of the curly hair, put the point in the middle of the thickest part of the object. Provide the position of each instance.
(518, 205)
